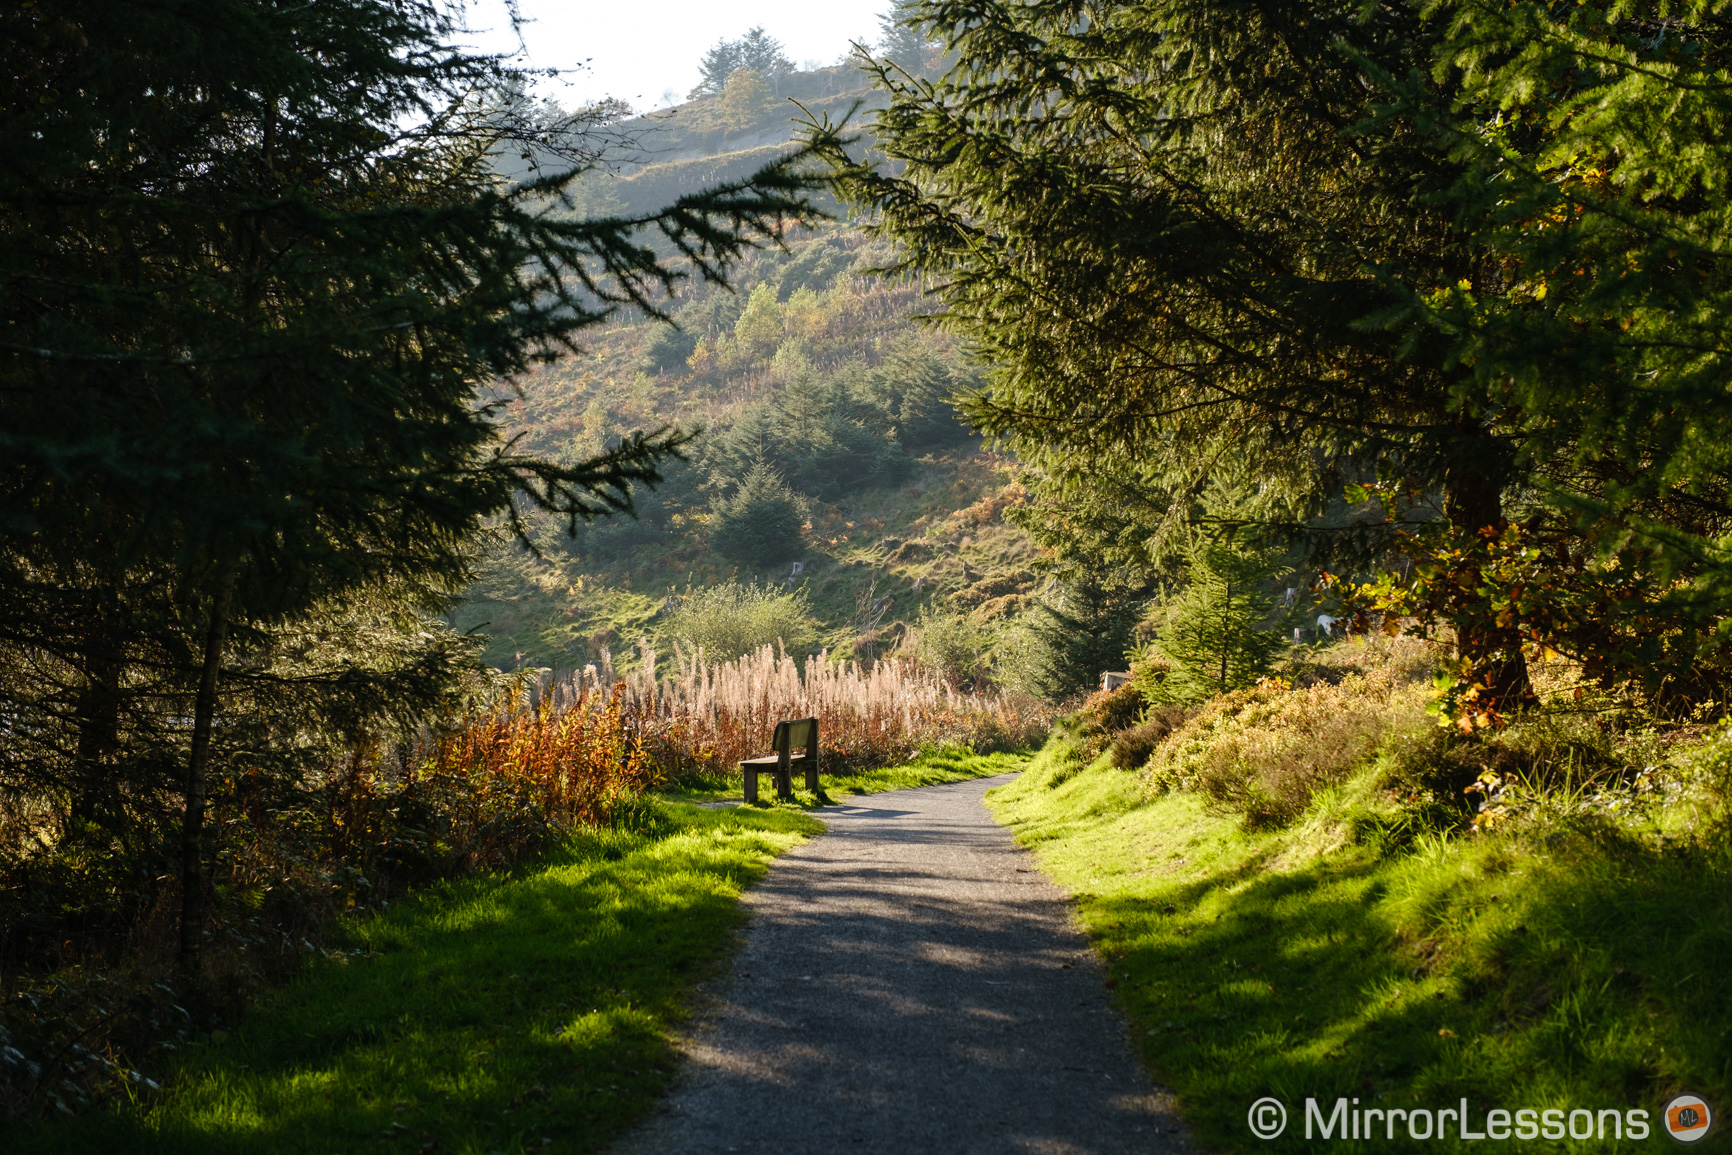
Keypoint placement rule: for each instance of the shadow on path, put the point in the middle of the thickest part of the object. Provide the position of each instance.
(910, 983)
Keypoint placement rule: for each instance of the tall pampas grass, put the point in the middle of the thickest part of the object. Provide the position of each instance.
(695, 716)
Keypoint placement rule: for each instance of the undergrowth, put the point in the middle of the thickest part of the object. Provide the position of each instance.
(1533, 918)
(527, 1012)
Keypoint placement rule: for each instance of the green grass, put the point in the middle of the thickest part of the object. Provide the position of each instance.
(487, 1015)
(933, 767)
(1587, 967)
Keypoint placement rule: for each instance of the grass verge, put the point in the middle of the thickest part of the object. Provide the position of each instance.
(933, 767)
(1580, 968)
(526, 1013)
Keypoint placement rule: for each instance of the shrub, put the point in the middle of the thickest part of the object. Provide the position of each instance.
(953, 646)
(1263, 752)
(1708, 767)
(90, 1011)
(1540, 757)
(1113, 710)
(1105, 715)
(1131, 749)
(727, 620)
(746, 99)
(1019, 660)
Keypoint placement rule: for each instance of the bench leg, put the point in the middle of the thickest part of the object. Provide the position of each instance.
(784, 784)
(812, 777)
(751, 783)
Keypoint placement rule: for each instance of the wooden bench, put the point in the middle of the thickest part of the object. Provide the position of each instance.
(801, 734)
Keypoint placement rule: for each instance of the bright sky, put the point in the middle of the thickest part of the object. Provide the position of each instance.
(640, 51)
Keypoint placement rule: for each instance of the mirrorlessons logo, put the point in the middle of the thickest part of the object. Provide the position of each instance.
(1686, 1118)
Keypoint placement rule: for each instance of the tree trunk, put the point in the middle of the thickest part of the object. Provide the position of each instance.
(192, 827)
(1226, 630)
(1472, 501)
(98, 714)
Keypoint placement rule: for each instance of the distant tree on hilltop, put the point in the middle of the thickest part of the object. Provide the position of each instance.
(747, 99)
(714, 69)
(904, 39)
(756, 50)
(763, 54)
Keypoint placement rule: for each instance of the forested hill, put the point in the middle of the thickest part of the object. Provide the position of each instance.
(828, 443)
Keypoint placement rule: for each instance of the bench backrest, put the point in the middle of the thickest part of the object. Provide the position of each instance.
(792, 735)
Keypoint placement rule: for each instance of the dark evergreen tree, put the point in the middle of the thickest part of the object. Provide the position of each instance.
(757, 50)
(817, 435)
(1593, 143)
(1224, 629)
(903, 39)
(1162, 227)
(1084, 628)
(763, 54)
(762, 523)
(257, 267)
(917, 390)
(1121, 515)
(669, 349)
(714, 69)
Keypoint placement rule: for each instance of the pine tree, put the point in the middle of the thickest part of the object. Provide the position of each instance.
(1219, 633)
(763, 54)
(916, 387)
(1163, 227)
(903, 39)
(1084, 628)
(714, 69)
(1594, 153)
(257, 265)
(762, 523)
(757, 50)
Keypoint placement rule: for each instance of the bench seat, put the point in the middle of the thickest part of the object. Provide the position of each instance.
(800, 734)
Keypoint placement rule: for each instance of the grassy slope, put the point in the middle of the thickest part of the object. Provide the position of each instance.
(938, 534)
(1588, 970)
(487, 1014)
(542, 610)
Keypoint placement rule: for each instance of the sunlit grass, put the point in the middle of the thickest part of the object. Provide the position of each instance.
(1575, 967)
(491, 1014)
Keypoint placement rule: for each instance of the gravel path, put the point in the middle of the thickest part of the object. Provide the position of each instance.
(910, 983)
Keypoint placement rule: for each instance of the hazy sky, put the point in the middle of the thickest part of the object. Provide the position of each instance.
(639, 50)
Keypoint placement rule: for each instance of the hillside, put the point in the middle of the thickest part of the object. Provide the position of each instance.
(810, 371)
(710, 140)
